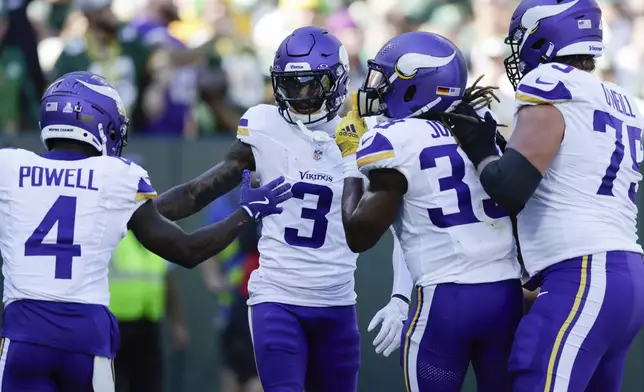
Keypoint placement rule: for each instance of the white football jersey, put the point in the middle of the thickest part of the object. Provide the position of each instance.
(61, 221)
(449, 229)
(304, 256)
(585, 203)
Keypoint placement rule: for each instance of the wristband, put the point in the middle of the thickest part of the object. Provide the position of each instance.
(350, 167)
(401, 297)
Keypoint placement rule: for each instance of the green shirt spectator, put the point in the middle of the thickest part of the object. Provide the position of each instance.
(19, 100)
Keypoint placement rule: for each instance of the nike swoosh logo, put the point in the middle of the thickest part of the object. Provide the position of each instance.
(364, 141)
(541, 293)
(539, 81)
(265, 201)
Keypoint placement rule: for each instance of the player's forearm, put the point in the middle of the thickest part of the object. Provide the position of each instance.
(351, 218)
(402, 282)
(189, 198)
(199, 246)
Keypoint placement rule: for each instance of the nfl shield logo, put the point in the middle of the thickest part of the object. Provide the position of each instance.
(317, 153)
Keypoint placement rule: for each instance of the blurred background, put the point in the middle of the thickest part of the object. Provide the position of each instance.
(187, 70)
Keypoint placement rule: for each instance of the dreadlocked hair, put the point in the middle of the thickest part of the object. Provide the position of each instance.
(478, 97)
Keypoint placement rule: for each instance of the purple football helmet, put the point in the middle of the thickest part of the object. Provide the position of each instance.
(541, 30)
(85, 107)
(310, 74)
(412, 74)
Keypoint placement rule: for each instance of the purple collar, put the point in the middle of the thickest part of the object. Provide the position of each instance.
(64, 155)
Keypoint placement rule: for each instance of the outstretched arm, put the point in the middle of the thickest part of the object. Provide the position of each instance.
(366, 215)
(191, 197)
(394, 314)
(170, 242)
(403, 282)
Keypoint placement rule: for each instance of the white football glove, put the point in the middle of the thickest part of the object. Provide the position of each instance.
(392, 317)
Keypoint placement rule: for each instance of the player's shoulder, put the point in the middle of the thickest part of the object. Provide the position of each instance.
(383, 143)
(400, 129)
(14, 151)
(124, 170)
(129, 177)
(15, 156)
(259, 119)
(554, 83)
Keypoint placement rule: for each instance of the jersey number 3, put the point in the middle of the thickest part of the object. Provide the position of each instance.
(317, 215)
(62, 212)
(465, 214)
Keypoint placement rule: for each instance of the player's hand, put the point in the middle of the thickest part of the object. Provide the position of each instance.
(263, 201)
(476, 135)
(392, 318)
(350, 129)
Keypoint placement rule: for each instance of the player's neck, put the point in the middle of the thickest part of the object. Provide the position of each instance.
(74, 148)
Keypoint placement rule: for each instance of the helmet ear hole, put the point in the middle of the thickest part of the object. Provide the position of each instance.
(112, 134)
(538, 44)
(410, 93)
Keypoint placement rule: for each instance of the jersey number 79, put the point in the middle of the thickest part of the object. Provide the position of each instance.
(63, 212)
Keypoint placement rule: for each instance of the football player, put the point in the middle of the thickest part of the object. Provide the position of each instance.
(63, 214)
(458, 244)
(570, 171)
(302, 300)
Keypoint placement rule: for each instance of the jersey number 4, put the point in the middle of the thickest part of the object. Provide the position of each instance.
(465, 214)
(63, 213)
(317, 215)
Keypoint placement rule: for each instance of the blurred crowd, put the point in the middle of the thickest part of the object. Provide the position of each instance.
(191, 67)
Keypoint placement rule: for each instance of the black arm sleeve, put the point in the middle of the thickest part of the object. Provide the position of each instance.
(510, 181)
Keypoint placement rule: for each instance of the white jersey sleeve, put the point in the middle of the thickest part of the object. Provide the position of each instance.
(377, 151)
(549, 84)
(252, 125)
(403, 283)
(135, 187)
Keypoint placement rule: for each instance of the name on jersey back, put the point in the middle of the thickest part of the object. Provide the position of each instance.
(618, 102)
(37, 176)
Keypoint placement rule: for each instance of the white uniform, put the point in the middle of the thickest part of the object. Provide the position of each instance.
(61, 220)
(448, 227)
(585, 203)
(304, 257)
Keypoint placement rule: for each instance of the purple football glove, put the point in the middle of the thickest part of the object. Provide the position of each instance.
(263, 201)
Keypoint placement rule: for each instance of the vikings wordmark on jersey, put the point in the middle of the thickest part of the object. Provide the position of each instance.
(305, 278)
